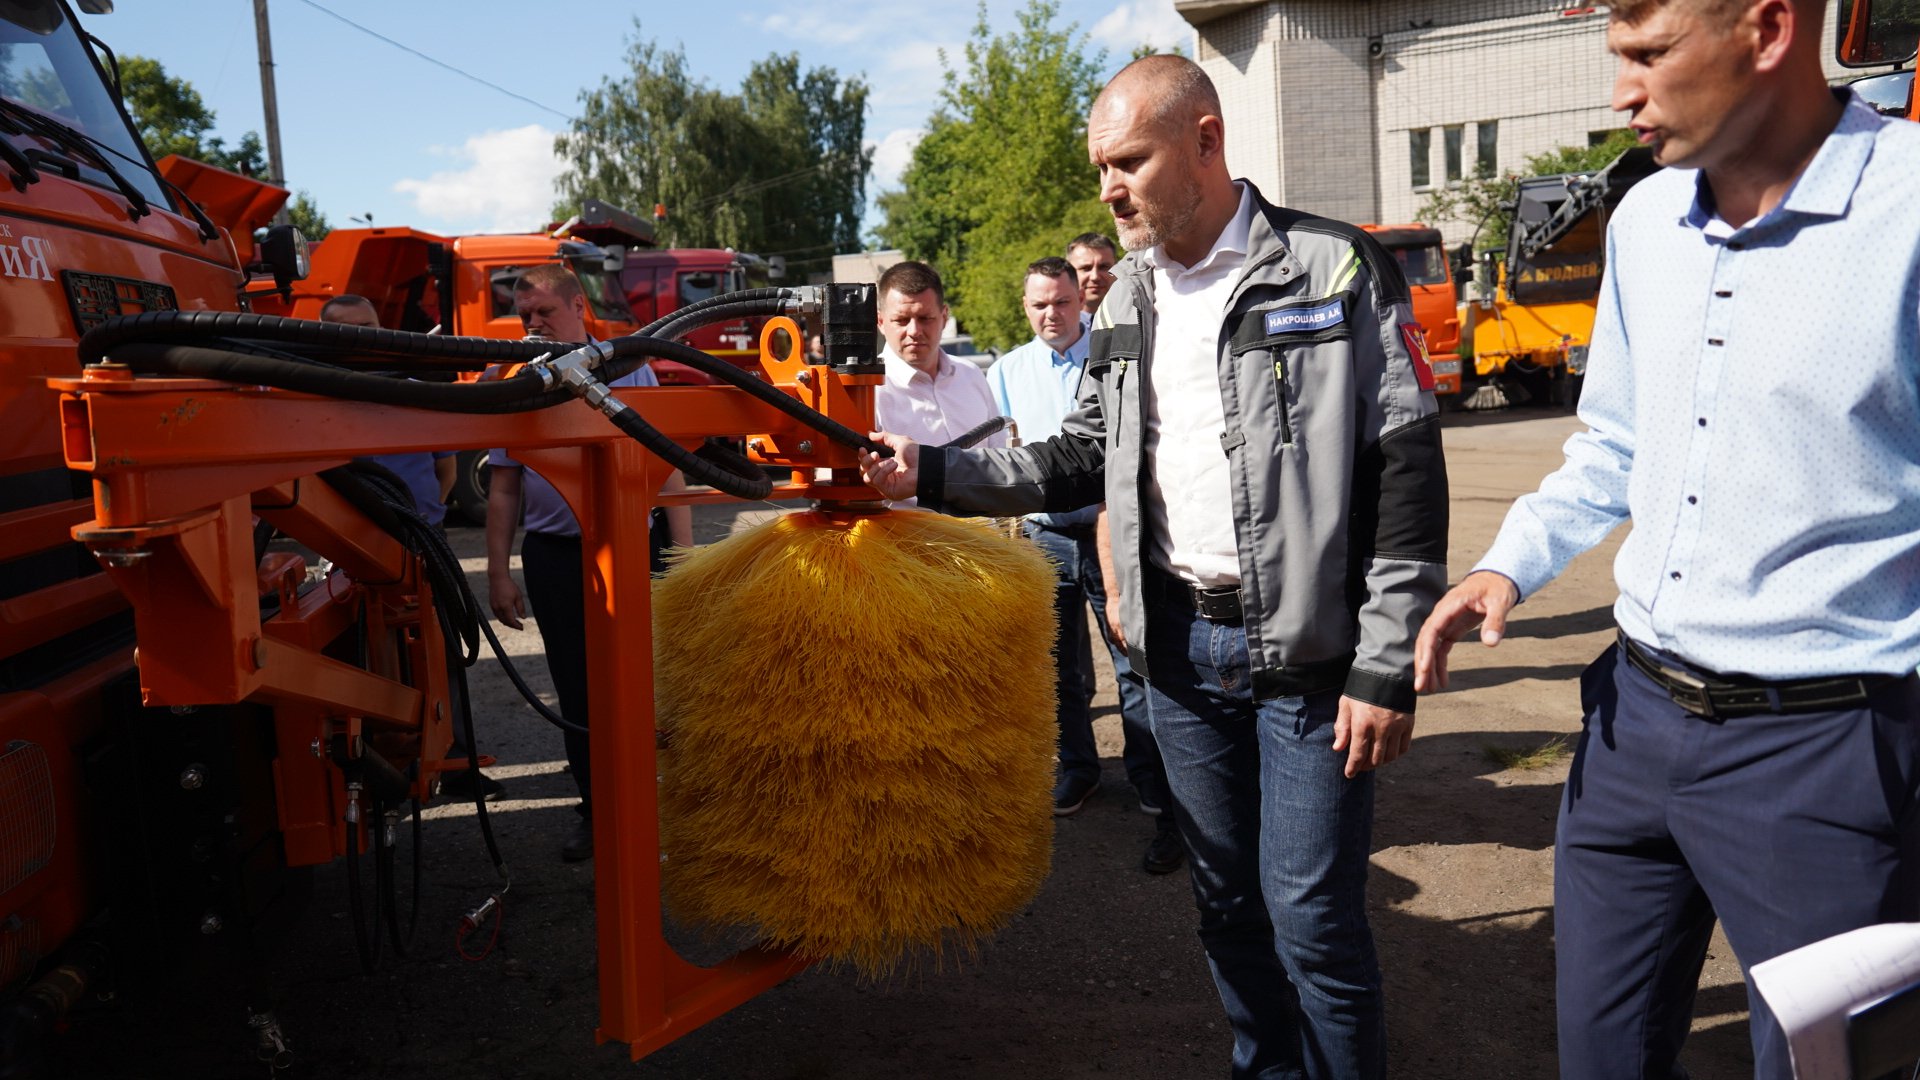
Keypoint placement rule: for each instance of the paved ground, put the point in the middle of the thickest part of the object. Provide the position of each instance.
(1102, 976)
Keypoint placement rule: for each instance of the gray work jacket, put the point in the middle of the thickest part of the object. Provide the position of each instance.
(1338, 483)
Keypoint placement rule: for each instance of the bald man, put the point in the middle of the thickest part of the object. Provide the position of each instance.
(1258, 415)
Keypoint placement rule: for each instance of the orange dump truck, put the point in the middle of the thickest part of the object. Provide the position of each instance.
(1423, 259)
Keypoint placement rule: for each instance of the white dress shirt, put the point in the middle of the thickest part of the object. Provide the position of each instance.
(1189, 500)
(937, 408)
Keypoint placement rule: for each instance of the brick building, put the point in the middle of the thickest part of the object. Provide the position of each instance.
(1356, 109)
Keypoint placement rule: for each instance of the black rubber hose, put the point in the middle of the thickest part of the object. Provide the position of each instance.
(973, 435)
(687, 319)
(517, 393)
(734, 375)
(697, 467)
(199, 326)
(652, 329)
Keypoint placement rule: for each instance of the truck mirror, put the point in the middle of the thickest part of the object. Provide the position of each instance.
(776, 267)
(281, 251)
(615, 259)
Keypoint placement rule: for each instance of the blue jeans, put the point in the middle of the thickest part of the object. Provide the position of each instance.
(1139, 753)
(1072, 652)
(1278, 840)
(1787, 828)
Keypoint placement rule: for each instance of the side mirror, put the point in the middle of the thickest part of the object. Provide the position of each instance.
(615, 259)
(281, 250)
(776, 267)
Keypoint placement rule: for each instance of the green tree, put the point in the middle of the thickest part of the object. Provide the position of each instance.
(304, 215)
(1001, 177)
(173, 119)
(1486, 201)
(778, 168)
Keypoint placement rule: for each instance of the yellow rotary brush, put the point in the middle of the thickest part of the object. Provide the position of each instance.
(860, 711)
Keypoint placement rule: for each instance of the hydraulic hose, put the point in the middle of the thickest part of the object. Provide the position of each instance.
(652, 329)
(980, 431)
(684, 320)
(198, 327)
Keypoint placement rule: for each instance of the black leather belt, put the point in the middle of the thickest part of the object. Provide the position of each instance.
(1704, 693)
(1214, 603)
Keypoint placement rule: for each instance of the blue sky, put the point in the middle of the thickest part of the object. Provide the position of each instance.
(370, 129)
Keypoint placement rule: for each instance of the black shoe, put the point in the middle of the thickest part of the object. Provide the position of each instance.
(463, 783)
(1165, 852)
(1071, 792)
(579, 846)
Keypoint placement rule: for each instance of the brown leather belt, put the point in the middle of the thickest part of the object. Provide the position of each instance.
(1704, 693)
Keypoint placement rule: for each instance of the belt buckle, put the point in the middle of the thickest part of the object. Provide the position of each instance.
(1217, 604)
(1688, 692)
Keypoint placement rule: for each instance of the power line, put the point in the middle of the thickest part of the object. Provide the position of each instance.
(436, 63)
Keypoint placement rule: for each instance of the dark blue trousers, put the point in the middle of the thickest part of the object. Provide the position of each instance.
(1788, 828)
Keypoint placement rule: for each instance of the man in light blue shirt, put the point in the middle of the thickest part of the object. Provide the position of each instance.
(1037, 385)
(1752, 743)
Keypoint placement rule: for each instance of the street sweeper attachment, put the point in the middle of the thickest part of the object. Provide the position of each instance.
(882, 807)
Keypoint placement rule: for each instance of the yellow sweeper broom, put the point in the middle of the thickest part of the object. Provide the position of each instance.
(857, 710)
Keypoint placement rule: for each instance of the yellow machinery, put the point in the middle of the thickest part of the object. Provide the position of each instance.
(1529, 326)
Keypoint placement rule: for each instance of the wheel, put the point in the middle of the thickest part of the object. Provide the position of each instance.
(468, 500)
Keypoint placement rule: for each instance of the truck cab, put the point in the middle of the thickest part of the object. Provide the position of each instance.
(1422, 255)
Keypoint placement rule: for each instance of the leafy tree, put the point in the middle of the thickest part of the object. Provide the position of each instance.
(1001, 177)
(1487, 200)
(173, 119)
(304, 215)
(779, 168)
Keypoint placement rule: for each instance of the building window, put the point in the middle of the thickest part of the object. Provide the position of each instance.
(1420, 147)
(1455, 136)
(1488, 161)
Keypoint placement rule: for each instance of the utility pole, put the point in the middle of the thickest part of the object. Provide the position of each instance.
(269, 102)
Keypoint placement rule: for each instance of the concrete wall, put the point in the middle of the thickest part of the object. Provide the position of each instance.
(1319, 96)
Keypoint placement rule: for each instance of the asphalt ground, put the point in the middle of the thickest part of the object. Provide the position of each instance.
(1101, 976)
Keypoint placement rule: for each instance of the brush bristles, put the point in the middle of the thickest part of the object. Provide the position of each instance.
(861, 719)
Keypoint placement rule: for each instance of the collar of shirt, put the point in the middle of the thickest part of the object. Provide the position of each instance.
(901, 373)
(1229, 248)
(1823, 189)
(1076, 354)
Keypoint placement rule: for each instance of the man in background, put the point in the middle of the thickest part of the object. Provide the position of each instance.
(1038, 384)
(551, 305)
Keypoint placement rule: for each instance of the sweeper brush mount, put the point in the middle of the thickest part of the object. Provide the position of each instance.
(190, 426)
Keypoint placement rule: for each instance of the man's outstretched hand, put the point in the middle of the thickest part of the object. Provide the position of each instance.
(1483, 600)
(897, 477)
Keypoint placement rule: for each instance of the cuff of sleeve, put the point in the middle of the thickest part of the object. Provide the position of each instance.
(933, 478)
(1519, 590)
(1387, 691)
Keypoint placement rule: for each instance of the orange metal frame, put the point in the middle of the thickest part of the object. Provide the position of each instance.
(180, 465)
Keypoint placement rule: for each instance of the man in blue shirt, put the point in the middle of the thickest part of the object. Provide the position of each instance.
(1752, 743)
(1037, 385)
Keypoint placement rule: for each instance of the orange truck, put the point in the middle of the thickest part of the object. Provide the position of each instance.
(1423, 259)
(660, 281)
(186, 723)
(463, 286)
(1881, 33)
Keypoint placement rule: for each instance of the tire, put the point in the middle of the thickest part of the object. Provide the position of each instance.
(467, 502)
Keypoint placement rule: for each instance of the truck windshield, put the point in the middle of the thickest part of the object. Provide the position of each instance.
(46, 71)
(1425, 265)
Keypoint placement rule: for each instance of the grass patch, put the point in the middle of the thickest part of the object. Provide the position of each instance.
(1551, 752)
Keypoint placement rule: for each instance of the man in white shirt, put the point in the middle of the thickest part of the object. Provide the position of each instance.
(927, 394)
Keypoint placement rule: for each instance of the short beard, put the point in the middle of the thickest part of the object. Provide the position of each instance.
(1145, 232)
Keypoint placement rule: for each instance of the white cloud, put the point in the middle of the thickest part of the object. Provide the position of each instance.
(828, 25)
(504, 183)
(891, 155)
(1143, 22)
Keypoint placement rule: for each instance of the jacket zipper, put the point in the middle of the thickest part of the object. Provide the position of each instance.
(1280, 384)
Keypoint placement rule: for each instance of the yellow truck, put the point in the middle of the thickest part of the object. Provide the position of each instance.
(1525, 333)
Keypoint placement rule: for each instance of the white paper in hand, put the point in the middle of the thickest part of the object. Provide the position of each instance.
(1812, 988)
